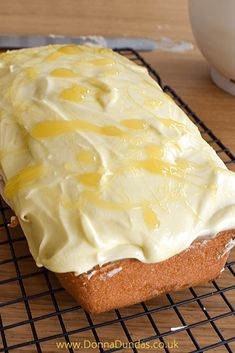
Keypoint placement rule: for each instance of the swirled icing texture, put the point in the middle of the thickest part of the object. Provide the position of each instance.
(99, 164)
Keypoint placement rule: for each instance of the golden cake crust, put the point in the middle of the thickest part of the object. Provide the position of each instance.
(130, 281)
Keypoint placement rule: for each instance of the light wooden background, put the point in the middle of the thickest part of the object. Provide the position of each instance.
(188, 74)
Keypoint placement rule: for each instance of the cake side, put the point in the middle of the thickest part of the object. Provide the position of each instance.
(129, 281)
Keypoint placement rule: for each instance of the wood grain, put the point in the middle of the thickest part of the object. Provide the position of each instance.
(188, 74)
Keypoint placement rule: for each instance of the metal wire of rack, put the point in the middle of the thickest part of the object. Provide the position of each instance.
(18, 272)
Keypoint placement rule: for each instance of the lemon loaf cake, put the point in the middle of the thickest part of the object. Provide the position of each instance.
(112, 184)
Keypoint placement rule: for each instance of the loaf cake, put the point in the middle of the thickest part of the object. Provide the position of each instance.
(114, 187)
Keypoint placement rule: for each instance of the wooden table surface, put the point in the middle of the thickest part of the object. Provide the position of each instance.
(188, 74)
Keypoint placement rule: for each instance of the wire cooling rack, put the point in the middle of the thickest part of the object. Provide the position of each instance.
(37, 315)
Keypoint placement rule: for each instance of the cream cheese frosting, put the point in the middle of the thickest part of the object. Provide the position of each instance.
(99, 164)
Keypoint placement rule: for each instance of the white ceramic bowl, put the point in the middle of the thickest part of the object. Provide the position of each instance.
(213, 25)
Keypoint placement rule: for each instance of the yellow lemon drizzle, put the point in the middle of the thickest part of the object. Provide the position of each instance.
(70, 49)
(103, 50)
(135, 124)
(75, 93)
(53, 128)
(31, 72)
(102, 89)
(156, 166)
(150, 217)
(154, 151)
(111, 131)
(53, 56)
(172, 123)
(86, 156)
(90, 179)
(67, 49)
(102, 62)
(63, 72)
(23, 178)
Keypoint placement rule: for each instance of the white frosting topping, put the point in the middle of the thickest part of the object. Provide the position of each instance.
(99, 164)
